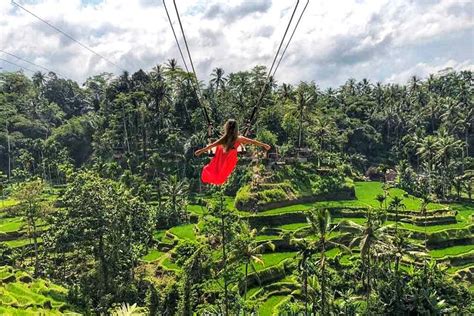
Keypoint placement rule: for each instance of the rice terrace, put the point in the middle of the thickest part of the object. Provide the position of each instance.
(246, 158)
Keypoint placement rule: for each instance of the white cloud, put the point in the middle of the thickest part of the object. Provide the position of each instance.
(380, 40)
(422, 70)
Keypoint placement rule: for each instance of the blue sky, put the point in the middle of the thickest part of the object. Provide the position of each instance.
(381, 40)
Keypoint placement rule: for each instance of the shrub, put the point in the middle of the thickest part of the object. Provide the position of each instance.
(374, 173)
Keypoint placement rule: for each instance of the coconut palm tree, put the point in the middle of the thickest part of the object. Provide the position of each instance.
(321, 227)
(380, 198)
(372, 238)
(286, 92)
(249, 250)
(304, 100)
(218, 80)
(427, 151)
(39, 79)
(306, 249)
(396, 204)
(447, 148)
(176, 191)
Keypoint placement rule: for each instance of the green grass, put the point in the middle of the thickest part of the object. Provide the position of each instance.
(451, 251)
(196, 209)
(357, 220)
(18, 298)
(432, 228)
(366, 193)
(7, 203)
(293, 227)
(252, 291)
(153, 255)
(21, 242)
(158, 235)
(184, 232)
(268, 308)
(11, 224)
(168, 264)
(453, 270)
(266, 237)
(273, 258)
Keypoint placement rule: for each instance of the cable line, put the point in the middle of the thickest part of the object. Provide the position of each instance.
(22, 67)
(270, 74)
(67, 35)
(184, 38)
(175, 37)
(30, 62)
(195, 86)
(291, 37)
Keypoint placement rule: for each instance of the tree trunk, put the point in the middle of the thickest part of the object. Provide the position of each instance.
(103, 264)
(245, 285)
(305, 289)
(35, 242)
(368, 282)
(323, 281)
(144, 142)
(9, 151)
(224, 256)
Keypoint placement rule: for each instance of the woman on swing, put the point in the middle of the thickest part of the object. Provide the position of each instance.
(225, 159)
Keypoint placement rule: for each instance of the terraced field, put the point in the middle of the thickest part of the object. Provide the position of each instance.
(22, 295)
(450, 243)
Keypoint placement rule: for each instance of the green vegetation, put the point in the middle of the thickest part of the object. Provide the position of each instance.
(11, 224)
(184, 232)
(32, 296)
(367, 201)
(270, 306)
(451, 251)
(7, 203)
(153, 255)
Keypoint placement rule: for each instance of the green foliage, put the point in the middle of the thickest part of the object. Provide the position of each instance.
(141, 128)
(20, 294)
(108, 229)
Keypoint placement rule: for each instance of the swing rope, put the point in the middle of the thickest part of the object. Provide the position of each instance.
(270, 74)
(195, 84)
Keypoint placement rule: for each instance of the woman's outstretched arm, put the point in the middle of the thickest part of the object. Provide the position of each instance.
(207, 148)
(245, 140)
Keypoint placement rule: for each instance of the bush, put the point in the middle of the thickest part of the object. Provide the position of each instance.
(375, 173)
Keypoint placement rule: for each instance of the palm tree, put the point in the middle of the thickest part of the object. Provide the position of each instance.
(380, 198)
(172, 65)
(427, 151)
(39, 79)
(176, 190)
(306, 249)
(322, 228)
(126, 310)
(411, 143)
(447, 147)
(415, 84)
(249, 250)
(396, 205)
(218, 79)
(372, 237)
(303, 102)
(432, 110)
(463, 124)
(286, 92)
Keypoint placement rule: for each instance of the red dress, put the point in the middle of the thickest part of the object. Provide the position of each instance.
(221, 166)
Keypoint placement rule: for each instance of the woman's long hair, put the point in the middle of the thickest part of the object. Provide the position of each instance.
(231, 132)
